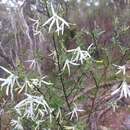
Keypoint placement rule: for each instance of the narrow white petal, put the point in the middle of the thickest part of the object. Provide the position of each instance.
(62, 28)
(116, 91)
(7, 90)
(52, 9)
(52, 23)
(118, 72)
(72, 50)
(61, 19)
(72, 115)
(57, 26)
(90, 46)
(5, 70)
(76, 64)
(1, 79)
(48, 21)
(121, 94)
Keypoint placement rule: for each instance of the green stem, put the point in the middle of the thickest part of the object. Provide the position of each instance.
(59, 69)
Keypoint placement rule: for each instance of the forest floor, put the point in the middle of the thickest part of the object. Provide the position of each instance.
(118, 120)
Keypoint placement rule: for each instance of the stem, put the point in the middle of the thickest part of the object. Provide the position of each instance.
(95, 43)
(60, 76)
(47, 9)
(59, 67)
(76, 82)
(95, 94)
(122, 58)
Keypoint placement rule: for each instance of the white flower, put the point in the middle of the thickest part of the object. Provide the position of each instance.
(74, 112)
(67, 65)
(30, 106)
(124, 90)
(27, 84)
(55, 19)
(30, 112)
(41, 114)
(35, 26)
(17, 124)
(54, 56)
(9, 82)
(80, 55)
(38, 82)
(121, 69)
(34, 65)
(31, 83)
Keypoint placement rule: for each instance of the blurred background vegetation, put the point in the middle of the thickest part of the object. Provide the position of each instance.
(106, 23)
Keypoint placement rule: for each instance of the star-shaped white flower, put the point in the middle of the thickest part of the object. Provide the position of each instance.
(40, 81)
(67, 65)
(123, 90)
(27, 84)
(9, 82)
(35, 26)
(53, 54)
(34, 65)
(80, 55)
(57, 20)
(74, 112)
(121, 69)
(31, 83)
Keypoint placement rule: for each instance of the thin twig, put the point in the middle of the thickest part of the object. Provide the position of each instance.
(95, 94)
(59, 69)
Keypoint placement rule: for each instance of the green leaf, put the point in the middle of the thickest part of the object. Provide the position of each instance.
(56, 102)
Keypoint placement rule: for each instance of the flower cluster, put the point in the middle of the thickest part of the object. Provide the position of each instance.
(12, 80)
(9, 82)
(32, 83)
(55, 19)
(34, 65)
(33, 106)
(124, 88)
(121, 69)
(78, 57)
(67, 64)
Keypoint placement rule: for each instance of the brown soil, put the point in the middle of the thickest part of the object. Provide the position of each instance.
(119, 120)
